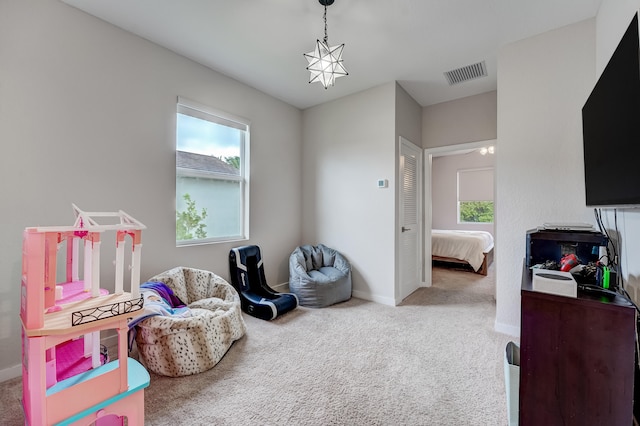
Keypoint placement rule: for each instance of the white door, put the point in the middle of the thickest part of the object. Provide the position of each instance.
(410, 190)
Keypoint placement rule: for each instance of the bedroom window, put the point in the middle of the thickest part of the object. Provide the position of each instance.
(475, 195)
(212, 179)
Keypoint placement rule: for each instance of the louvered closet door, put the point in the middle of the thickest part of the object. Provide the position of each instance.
(410, 218)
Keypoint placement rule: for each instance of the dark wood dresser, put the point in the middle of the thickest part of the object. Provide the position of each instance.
(577, 358)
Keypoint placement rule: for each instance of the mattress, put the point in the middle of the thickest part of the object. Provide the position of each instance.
(469, 246)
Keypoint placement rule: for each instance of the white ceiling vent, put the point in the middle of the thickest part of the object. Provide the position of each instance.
(467, 73)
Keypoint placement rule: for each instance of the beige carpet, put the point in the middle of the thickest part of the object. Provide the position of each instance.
(434, 360)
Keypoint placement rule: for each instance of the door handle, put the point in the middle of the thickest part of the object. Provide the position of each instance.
(405, 229)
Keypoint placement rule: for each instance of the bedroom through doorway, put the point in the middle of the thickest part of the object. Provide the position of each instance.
(459, 199)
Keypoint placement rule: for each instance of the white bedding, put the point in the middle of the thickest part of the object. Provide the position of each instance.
(463, 245)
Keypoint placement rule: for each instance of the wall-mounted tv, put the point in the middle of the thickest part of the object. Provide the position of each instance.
(611, 129)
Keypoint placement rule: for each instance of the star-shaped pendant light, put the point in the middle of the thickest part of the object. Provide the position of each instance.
(325, 63)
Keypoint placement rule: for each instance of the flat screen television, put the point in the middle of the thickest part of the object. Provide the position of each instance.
(611, 129)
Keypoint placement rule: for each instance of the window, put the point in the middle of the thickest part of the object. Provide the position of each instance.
(475, 195)
(212, 179)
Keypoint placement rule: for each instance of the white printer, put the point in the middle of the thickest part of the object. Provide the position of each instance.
(554, 282)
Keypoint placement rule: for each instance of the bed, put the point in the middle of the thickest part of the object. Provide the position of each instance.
(473, 248)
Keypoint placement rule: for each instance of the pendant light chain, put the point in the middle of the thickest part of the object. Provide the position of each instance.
(325, 25)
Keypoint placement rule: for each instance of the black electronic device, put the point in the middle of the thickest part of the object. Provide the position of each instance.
(611, 128)
(551, 245)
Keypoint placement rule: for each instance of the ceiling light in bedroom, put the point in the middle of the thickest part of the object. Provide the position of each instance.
(487, 150)
(325, 63)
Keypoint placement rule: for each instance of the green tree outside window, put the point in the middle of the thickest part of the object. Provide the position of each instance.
(189, 223)
(234, 161)
(476, 211)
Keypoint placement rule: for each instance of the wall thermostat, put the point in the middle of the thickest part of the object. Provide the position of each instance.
(383, 183)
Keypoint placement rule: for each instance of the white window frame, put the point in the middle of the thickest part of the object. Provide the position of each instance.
(204, 112)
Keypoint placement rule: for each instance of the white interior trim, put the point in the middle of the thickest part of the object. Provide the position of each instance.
(440, 151)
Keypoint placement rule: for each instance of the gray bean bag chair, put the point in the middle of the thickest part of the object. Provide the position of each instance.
(319, 276)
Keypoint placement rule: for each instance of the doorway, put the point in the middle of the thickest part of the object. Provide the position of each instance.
(429, 155)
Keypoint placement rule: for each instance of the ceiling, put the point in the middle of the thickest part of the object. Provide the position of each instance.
(261, 42)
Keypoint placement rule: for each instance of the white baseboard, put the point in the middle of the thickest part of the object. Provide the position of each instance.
(507, 329)
(281, 288)
(373, 298)
(10, 373)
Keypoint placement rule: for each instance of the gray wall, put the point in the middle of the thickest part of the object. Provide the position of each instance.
(408, 118)
(348, 144)
(87, 116)
(544, 81)
(408, 122)
(469, 119)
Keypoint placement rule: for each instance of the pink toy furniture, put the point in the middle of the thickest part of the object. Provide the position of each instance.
(85, 390)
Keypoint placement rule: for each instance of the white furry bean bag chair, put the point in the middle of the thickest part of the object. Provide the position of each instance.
(184, 345)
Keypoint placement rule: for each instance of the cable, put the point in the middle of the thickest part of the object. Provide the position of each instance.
(593, 289)
(613, 260)
(619, 280)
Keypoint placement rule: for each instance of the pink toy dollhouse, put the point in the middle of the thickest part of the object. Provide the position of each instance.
(66, 379)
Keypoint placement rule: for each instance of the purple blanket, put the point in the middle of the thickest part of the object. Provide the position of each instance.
(165, 292)
(158, 300)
